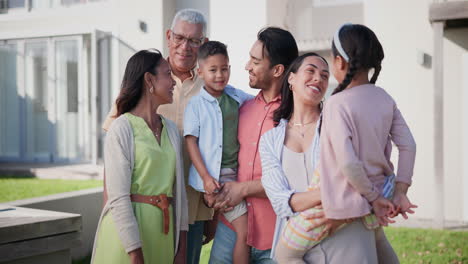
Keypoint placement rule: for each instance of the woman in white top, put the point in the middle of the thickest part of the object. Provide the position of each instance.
(290, 153)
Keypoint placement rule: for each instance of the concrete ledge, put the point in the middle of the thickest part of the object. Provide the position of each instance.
(87, 203)
(39, 247)
(58, 196)
(27, 233)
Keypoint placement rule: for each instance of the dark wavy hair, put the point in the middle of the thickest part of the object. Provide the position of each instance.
(363, 49)
(131, 89)
(286, 107)
(279, 44)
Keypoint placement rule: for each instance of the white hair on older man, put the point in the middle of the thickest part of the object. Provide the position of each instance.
(190, 16)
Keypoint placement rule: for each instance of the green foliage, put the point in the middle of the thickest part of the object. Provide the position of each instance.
(21, 188)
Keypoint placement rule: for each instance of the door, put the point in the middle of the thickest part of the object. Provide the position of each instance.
(38, 101)
(10, 101)
(68, 100)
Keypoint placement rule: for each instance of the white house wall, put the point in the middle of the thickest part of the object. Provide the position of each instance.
(455, 47)
(118, 17)
(405, 32)
(236, 23)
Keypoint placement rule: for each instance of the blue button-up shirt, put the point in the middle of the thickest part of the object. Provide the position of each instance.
(203, 119)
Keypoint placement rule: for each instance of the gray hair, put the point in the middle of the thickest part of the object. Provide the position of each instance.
(190, 16)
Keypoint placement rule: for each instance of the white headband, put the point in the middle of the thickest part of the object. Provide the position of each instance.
(336, 41)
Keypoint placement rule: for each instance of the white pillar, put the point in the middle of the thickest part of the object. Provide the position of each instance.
(94, 126)
(439, 210)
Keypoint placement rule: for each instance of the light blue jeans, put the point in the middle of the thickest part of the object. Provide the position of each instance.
(223, 246)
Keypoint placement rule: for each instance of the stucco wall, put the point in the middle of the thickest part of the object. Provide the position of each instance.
(405, 32)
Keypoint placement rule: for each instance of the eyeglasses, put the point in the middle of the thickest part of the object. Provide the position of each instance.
(193, 42)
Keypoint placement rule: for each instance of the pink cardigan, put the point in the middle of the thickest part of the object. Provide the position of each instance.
(355, 146)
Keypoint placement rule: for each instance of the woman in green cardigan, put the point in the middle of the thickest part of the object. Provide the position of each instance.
(145, 217)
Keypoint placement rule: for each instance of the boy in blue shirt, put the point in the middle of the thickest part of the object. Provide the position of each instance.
(210, 131)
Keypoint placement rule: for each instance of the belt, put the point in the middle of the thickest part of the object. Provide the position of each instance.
(161, 201)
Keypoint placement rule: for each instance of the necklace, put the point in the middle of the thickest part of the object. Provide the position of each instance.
(157, 130)
(301, 131)
(300, 127)
(304, 124)
(157, 133)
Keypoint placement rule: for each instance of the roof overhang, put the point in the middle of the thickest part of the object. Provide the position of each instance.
(453, 13)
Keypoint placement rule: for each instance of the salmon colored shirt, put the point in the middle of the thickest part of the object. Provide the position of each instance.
(256, 118)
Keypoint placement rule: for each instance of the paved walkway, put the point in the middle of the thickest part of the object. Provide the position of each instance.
(84, 171)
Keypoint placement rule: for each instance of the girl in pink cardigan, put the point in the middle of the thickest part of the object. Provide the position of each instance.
(360, 120)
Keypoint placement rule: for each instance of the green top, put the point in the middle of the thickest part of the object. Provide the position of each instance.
(230, 111)
(153, 160)
(153, 174)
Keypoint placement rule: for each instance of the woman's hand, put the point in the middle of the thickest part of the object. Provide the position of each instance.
(136, 256)
(301, 201)
(331, 225)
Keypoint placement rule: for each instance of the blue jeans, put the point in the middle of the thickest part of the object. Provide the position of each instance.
(223, 246)
(194, 242)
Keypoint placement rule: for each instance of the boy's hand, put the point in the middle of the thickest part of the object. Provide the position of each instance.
(211, 185)
(383, 208)
(403, 205)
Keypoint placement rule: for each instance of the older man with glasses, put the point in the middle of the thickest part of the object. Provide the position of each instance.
(187, 34)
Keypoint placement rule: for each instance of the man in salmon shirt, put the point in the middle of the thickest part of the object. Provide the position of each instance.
(270, 55)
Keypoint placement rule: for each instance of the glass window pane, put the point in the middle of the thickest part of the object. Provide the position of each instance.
(67, 99)
(9, 102)
(37, 121)
(41, 4)
(16, 3)
(72, 2)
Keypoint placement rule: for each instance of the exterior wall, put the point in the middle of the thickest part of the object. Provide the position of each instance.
(455, 47)
(236, 23)
(116, 16)
(201, 5)
(411, 84)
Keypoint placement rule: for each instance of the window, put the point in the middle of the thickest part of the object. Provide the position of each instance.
(10, 130)
(72, 2)
(335, 2)
(16, 3)
(38, 4)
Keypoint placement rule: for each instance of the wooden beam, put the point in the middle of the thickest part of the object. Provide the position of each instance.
(448, 11)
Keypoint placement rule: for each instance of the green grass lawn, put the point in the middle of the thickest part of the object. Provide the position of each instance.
(415, 246)
(21, 188)
(428, 245)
